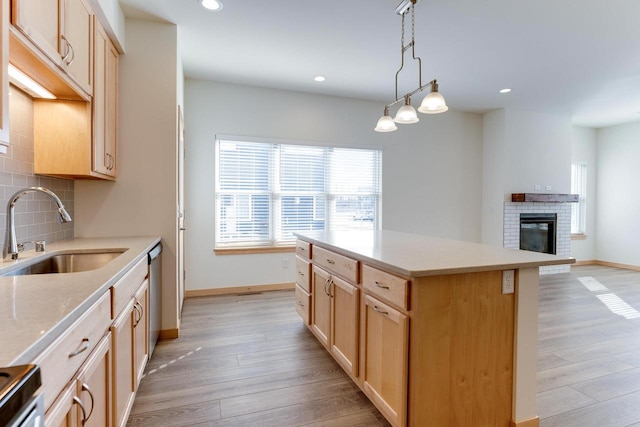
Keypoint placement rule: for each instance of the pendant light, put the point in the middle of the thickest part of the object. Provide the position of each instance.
(433, 103)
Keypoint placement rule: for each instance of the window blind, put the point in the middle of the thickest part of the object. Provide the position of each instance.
(265, 192)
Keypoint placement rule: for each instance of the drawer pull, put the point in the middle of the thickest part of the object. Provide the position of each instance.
(301, 249)
(330, 261)
(381, 286)
(85, 387)
(300, 303)
(82, 349)
(377, 310)
(300, 273)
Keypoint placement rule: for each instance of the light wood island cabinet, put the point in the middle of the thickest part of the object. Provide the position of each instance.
(433, 340)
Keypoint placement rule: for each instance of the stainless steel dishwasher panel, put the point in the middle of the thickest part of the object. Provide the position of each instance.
(155, 295)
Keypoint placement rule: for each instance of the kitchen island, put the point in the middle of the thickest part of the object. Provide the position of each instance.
(434, 331)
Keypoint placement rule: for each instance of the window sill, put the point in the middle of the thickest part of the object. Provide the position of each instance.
(255, 250)
(578, 236)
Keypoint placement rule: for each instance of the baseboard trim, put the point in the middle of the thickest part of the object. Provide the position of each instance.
(251, 289)
(618, 265)
(533, 422)
(586, 262)
(169, 334)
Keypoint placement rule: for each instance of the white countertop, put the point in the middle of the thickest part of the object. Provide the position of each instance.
(416, 255)
(36, 309)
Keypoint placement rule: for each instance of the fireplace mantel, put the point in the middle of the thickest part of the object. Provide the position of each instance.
(544, 198)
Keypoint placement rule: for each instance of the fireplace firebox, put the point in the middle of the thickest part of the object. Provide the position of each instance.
(538, 232)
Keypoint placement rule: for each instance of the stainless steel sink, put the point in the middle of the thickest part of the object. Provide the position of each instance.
(66, 263)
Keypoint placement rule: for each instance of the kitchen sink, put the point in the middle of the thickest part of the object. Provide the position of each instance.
(66, 263)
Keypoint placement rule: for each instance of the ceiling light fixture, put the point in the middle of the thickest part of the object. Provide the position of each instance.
(505, 90)
(433, 103)
(319, 78)
(214, 5)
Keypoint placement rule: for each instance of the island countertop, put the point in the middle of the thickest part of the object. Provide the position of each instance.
(416, 255)
(36, 309)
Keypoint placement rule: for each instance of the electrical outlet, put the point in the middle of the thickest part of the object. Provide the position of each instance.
(285, 262)
(508, 282)
(537, 187)
(547, 187)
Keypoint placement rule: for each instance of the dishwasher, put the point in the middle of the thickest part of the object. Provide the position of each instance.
(155, 295)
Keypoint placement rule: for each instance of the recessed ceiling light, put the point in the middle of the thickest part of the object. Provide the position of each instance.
(319, 78)
(214, 5)
(505, 90)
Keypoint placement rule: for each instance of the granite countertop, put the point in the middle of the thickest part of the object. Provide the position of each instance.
(36, 309)
(416, 255)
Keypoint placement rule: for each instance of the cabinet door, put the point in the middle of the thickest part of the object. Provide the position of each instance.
(123, 378)
(385, 359)
(39, 21)
(321, 303)
(141, 330)
(94, 387)
(105, 98)
(62, 413)
(76, 45)
(344, 324)
(4, 78)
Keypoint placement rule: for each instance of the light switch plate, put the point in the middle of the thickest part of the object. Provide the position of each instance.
(508, 282)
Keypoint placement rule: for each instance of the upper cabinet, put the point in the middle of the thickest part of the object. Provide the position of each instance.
(62, 30)
(4, 79)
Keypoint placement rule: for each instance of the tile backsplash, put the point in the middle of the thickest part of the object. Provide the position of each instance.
(35, 213)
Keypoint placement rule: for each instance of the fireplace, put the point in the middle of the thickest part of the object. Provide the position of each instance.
(538, 232)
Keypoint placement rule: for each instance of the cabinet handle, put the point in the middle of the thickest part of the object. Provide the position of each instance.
(82, 349)
(300, 273)
(377, 310)
(86, 388)
(67, 45)
(301, 249)
(330, 261)
(327, 283)
(379, 285)
(77, 400)
(140, 310)
(73, 54)
(300, 303)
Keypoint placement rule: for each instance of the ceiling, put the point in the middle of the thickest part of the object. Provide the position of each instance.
(579, 58)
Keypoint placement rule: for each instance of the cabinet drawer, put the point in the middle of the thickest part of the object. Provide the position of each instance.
(391, 288)
(339, 264)
(60, 361)
(124, 288)
(303, 274)
(303, 249)
(303, 304)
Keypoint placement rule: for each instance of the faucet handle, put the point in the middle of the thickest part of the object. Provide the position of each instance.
(41, 246)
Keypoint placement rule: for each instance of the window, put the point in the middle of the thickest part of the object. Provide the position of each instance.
(267, 191)
(579, 187)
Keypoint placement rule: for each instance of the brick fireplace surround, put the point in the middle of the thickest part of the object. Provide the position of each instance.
(511, 237)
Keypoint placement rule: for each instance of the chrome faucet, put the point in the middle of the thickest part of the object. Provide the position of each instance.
(10, 249)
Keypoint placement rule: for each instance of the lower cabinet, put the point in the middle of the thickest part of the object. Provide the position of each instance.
(87, 399)
(385, 358)
(129, 333)
(335, 316)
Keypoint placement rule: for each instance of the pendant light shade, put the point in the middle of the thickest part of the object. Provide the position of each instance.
(407, 114)
(386, 123)
(434, 102)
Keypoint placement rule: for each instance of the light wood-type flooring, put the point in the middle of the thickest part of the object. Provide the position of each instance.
(249, 361)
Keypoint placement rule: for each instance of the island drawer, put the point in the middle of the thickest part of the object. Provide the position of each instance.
(303, 249)
(387, 286)
(303, 274)
(336, 263)
(62, 359)
(303, 304)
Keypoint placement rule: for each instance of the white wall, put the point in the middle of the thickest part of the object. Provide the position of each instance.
(618, 207)
(142, 201)
(522, 149)
(584, 150)
(431, 172)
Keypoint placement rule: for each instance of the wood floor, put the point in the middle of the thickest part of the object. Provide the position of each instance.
(249, 361)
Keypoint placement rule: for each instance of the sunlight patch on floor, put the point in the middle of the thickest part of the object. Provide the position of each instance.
(618, 306)
(592, 284)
